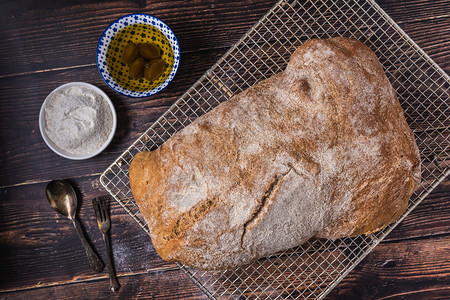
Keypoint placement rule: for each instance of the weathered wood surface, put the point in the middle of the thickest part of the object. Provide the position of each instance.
(48, 43)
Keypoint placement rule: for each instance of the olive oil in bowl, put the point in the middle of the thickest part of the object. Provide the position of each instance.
(138, 34)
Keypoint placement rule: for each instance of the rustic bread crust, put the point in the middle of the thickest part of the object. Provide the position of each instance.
(321, 149)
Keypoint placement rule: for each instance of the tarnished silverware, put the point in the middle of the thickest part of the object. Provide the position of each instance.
(63, 199)
(104, 223)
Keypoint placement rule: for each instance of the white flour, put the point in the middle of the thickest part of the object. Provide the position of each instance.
(78, 120)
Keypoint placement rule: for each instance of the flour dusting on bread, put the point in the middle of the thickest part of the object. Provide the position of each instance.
(321, 149)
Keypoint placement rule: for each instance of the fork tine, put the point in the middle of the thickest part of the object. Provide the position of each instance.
(107, 210)
(103, 210)
(95, 204)
(105, 225)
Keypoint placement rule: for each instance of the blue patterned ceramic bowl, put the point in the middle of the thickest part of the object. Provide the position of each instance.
(136, 28)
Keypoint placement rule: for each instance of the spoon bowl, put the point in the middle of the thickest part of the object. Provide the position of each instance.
(63, 199)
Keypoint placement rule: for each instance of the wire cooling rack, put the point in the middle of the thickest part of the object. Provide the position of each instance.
(313, 269)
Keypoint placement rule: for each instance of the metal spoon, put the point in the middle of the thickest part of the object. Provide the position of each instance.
(63, 199)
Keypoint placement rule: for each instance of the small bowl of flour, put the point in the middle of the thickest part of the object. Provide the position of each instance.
(77, 120)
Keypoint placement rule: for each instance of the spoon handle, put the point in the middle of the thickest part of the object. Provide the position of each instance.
(95, 262)
(114, 284)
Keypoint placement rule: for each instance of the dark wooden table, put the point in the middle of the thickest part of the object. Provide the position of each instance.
(48, 43)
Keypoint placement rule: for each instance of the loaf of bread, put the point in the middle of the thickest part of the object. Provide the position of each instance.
(321, 149)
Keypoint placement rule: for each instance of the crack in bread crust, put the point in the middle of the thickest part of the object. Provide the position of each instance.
(263, 203)
(296, 155)
(189, 218)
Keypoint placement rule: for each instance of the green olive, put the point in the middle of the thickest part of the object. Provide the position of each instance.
(130, 52)
(151, 61)
(149, 51)
(154, 69)
(136, 69)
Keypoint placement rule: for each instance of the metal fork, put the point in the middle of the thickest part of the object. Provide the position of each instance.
(104, 223)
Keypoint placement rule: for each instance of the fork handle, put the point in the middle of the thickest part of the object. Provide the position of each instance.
(95, 262)
(114, 284)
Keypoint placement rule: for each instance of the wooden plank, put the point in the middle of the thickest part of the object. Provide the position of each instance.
(44, 38)
(50, 43)
(411, 269)
(38, 245)
(32, 234)
(166, 284)
(404, 11)
(67, 34)
(399, 269)
(430, 217)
